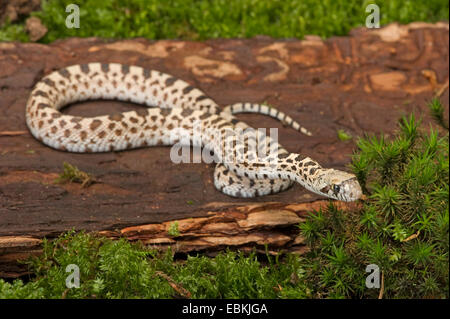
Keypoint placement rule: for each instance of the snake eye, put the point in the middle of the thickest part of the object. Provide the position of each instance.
(336, 189)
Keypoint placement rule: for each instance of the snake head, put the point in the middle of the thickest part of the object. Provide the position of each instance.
(339, 185)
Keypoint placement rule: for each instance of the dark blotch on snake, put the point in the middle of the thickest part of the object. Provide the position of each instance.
(188, 89)
(125, 69)
(84, 68)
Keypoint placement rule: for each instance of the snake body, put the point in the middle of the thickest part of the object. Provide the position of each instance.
(176, 113)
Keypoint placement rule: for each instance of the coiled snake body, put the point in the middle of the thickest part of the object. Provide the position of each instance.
(183, 114)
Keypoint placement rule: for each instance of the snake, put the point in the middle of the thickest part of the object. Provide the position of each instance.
(176, 113)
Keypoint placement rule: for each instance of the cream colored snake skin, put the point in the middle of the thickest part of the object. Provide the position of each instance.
(176, 113)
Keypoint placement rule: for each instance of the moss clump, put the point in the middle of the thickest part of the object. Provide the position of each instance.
(119, 269)
(343, 135)
(437, 111)
(71, 174)
(403, 226)
(173, 229)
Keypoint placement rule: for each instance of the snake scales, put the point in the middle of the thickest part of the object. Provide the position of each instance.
(177, 112)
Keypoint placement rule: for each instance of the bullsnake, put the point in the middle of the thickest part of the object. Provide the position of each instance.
(176, 113)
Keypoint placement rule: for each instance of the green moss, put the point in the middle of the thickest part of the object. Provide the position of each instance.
(437, 111)
(119, 269)
(13, 32)
(173, 229)
(402, 226)
(205, 19)
(343, 135)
